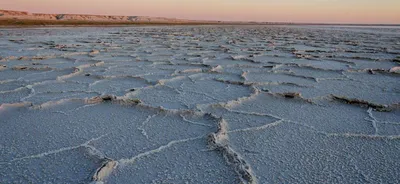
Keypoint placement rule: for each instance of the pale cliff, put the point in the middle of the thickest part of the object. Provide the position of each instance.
(21, 15)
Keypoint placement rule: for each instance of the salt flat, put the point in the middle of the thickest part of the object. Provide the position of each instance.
(200, 104)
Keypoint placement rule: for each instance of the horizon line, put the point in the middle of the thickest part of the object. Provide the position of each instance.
(214, 20)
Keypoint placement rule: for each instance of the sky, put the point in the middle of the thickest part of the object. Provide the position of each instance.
(309, 11)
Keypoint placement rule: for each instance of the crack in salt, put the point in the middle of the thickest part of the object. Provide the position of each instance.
(40, 155)
(159, 149)
(141, 128)
(219, 141)
(269, 125)
(195, 123)
(373, 120)
(364, 176)
(345, 135)
(60, 112)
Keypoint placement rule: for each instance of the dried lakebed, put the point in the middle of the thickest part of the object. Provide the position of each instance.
(201, 104)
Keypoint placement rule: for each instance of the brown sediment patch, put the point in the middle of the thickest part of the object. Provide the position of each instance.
(50, 104)
(233, 82)
(105, 170)
(7, 58)
(113, 99)
(3, 67)
(94, 52)
(100, 99)
(23, 58)
(14, 105)
(362, 103)
(42, 57)
(292, 95)
(46, 68)
(20, 68)
(243, 58)
(395, 70)
(374, 71)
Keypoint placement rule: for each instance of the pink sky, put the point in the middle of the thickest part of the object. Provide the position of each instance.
(322, 11)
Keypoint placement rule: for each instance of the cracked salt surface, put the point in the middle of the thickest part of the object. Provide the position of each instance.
(200, 104)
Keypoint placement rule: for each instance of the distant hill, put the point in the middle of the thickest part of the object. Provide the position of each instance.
(22, 17)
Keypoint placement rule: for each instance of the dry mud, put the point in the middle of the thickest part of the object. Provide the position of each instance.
(201, 104)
